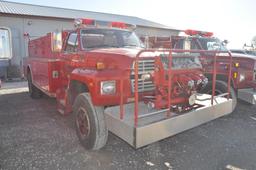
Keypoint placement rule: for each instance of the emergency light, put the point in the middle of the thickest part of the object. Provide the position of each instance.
(80, 21)
(200, 33)
(91, 22)
(119, 25)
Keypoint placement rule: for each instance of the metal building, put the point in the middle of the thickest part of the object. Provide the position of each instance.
(38, 20)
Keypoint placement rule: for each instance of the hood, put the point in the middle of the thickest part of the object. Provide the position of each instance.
(130, 52)
(118, 51)
(237, 55)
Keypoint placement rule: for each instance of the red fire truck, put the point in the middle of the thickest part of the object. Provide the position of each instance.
(243, 82)
(101, 72)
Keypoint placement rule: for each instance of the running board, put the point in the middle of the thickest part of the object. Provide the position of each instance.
(247, 95)
(158, 126)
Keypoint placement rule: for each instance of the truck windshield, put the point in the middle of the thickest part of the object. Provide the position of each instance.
(199, 43)
(108, 38)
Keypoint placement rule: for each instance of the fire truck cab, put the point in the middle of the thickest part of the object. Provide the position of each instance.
(101, 72)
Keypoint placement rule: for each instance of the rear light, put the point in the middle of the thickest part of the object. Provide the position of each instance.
(119, 25)
(236, 64)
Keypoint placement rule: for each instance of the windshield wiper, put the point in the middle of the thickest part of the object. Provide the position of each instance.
(104, 46)
(131, 45)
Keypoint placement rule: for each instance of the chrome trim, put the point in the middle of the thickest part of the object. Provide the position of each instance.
(144, 66)
(153, 125)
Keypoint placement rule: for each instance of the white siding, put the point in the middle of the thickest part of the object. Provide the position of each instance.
(39, 26)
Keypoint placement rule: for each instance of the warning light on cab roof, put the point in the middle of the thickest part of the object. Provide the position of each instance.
(199, 33)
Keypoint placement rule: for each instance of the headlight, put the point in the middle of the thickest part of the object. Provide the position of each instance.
(199, 81)
(205, 81)
(241, 77)
(108, 87)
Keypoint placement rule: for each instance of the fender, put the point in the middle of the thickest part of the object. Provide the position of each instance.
(223, 78)
(92, 78)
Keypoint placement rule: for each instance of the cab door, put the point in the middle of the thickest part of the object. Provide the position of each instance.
(70, 54)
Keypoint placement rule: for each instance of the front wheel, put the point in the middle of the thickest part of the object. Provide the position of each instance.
(90, 123)
(221, 87)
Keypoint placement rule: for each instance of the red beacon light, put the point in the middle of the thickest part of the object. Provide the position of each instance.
(200, 33)
(191, 32)
(80, 21)
(88, 21)
(119, 25)
(206, 34)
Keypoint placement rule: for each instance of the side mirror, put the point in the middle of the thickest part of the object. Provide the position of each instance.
(225, 42)
(5, 43)
(56, 41)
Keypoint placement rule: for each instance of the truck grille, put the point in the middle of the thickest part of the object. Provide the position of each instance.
(144, 66)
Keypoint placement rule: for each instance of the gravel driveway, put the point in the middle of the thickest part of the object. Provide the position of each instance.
(34, 136)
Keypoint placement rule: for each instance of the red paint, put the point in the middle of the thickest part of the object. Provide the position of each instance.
(246, 63)
(55, 73)
(119, 25)
(88, 21)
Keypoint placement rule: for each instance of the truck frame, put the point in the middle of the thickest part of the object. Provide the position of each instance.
(121, 87)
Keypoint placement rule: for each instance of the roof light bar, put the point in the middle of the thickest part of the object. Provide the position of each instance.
(200, 33)
(80, 21)
(91, 22)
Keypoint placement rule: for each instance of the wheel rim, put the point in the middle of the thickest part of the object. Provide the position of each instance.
(82, 122)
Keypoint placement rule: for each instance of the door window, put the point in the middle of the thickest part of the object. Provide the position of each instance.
(72, 43)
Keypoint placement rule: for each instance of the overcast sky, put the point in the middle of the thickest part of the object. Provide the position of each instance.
(234, 20)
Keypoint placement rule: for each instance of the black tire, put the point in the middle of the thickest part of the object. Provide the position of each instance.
(34, 92)
(221, 87)
(90, 123)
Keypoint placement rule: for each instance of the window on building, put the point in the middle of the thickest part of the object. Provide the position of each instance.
(5, 44)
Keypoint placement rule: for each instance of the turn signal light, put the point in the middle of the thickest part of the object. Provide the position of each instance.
(100, 66)
(235, 75)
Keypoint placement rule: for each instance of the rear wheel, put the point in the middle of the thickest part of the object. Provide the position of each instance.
(221, 87)
(34, 92)
(90, 123)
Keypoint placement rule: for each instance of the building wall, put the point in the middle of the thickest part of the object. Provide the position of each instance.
(146, 31)
(39, 26)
